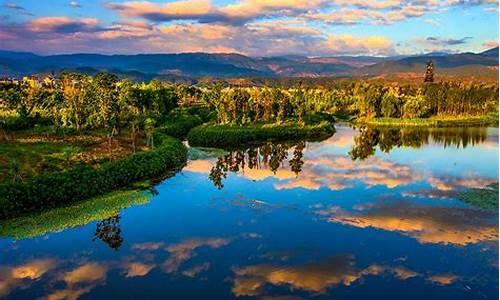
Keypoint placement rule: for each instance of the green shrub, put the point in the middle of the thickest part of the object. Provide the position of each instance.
(210, 135)
(82, 182)
(179, 122)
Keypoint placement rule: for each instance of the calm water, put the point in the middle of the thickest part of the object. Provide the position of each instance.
(370, 214)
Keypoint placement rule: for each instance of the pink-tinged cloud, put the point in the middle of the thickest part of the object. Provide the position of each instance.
(180, 10)
(491, 44)
(62, 24)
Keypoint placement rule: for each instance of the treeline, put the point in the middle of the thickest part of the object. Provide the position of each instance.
(362, 99)
(84, 102)
(268, 156)
(386, 138)
(104, 101)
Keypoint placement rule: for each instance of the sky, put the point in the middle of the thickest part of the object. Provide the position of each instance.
(249, 27)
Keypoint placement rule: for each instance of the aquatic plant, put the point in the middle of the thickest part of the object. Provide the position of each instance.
(74, 215)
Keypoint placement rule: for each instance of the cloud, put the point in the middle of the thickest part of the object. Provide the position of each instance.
(87, 273)
(74, 4)
(312, 277)
(15, 276)
(184, 251)
(136, 269)
(63, 25)
(427, 224)
(203, 11)
(193, 271)
(490, 44)
(13, 6)
(438, 41)
(317, 277)
(151, 246)
(432, 22)
(443, 279)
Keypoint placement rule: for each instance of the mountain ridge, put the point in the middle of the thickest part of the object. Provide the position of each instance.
(185, 66)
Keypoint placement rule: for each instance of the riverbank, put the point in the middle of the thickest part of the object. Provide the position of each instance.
(215, 135)
(488, 120)
(49, 190)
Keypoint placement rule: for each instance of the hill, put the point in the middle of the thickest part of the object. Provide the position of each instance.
(186, 67)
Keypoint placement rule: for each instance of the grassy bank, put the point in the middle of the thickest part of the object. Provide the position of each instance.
(213, 135)
(61, 188)
(76, 214)
(488, 120)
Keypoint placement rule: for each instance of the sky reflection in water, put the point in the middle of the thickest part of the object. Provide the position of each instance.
(370, 213)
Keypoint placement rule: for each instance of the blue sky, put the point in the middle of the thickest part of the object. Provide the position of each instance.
(251, 27)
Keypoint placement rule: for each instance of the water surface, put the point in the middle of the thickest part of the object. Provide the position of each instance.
(364, 214)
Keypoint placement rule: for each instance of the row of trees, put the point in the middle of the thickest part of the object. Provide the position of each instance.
(387, 138)
(104, 101)
(268, 156)
(242, 105)
(81, 101)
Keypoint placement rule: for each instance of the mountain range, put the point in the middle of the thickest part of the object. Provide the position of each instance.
(188, 67)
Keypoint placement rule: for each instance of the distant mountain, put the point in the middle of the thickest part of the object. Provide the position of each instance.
(491, 52)
(455, 65)
(185, 67)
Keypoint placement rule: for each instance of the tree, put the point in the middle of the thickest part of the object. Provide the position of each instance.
(429, 72)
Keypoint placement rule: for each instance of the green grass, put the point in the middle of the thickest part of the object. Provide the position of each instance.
(485, 198)
(35, 158)
(213, 135)
(77, 214)
(61, 188)
(438, 121)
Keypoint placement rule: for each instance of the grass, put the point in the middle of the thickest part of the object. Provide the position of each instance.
(61, 188)
(31, 152)
(437, 121)
(77, 214)
(485, 198)
(214, 135)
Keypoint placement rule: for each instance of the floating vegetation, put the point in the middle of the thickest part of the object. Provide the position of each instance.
(78, 214)
(485, 198)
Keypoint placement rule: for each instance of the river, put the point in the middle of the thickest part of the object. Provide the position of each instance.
(367, 213)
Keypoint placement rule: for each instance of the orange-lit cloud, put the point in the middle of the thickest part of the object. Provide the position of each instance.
(443, 279)
(193, 271)
(315, 277)
(14, 276)
(62, 24)
(135, 269)
(427, 224)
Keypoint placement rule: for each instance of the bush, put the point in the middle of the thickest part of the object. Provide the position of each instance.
(20, 123)
(210, 135)
(179, 122)
(82, 182)
(415, 107)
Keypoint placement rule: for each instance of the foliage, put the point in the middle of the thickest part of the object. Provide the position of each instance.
(62, 188)
(80, 101)
(486, 198)
(213, 135)
(489, 119)
(179, 122)
(386, 138)
(269, 155)
(76, 214)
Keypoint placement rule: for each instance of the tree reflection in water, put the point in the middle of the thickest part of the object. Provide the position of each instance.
(270, 156)
(109, 231)
(388, 138)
